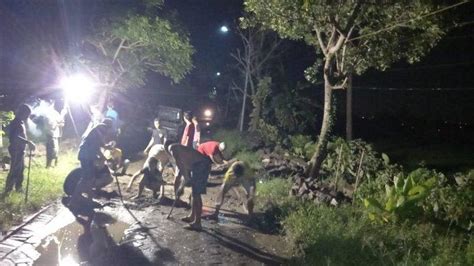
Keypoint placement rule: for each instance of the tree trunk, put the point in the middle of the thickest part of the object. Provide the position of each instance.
(255, 119)
(349, 108)
(321, 148)
(244, 102)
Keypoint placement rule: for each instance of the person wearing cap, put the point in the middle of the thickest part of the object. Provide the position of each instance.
(213, 150)
(239, 173)
(17, 136)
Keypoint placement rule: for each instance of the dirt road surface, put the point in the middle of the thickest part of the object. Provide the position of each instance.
(138, 233)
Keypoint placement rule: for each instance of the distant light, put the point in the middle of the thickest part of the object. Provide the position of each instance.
(77, 88)
(208, 124)
(218, 73)
(224, 29)
(207, 113)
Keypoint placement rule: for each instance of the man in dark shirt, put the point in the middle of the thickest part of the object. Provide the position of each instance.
(193, 168)
(89, 154)
(17, 136)
(158, 136)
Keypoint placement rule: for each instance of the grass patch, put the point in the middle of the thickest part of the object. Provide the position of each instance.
(344, 236)
(322, 235)
(251, 158)
(45, 186)
(234, 140)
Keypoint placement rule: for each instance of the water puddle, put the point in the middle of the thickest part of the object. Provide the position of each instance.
(70, 246)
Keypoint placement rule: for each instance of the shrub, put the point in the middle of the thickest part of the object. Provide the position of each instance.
(234, 140)
(268, 133)
(301, 145)
(251, 158)
(404, 198)
(453, 203)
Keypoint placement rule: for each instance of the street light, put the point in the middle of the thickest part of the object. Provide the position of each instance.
(224, 29)
(218, 74)
(208, 113)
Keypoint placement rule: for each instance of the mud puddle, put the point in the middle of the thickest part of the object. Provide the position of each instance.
(71, 246)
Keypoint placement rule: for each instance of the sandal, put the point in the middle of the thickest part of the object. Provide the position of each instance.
(187, 219)
(193, 227)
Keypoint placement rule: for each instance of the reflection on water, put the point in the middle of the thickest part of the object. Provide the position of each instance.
(70, 246)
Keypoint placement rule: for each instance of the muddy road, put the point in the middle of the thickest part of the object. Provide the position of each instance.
(139, 233)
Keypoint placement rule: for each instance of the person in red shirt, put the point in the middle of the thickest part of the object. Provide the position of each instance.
(188, 133)
(213, 150)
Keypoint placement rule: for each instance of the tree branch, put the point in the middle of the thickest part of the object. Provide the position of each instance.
(118, 50)
(320, 40)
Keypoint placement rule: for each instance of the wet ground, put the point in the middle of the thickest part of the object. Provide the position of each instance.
(138, 233)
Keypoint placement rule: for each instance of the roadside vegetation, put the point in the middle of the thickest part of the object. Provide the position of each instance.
(397, 216)
(46, 185)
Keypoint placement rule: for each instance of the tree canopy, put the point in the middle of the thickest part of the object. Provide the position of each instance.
(351, 36)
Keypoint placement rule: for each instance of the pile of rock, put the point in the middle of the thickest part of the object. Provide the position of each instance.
(277, 165)
(312, 190)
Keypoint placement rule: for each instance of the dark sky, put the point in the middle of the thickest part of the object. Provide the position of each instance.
(448, 66)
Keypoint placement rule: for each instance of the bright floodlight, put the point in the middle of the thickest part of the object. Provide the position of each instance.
(77, 88)
(224, 29)
(207, 113)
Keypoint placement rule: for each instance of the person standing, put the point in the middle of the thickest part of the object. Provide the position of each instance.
(17, 136)
(158, 136)
(53, 133)
(112, 114)
(188, 133)
(197, 133)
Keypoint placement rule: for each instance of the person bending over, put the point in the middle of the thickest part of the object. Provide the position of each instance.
(193, 168)
(152, 179)
(89, 153)
(239, 173)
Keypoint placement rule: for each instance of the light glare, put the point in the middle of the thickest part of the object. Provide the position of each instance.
(207, 113)
(224, 29)
(77, 88)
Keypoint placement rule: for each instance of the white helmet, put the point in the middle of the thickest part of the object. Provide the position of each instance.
(222, 146)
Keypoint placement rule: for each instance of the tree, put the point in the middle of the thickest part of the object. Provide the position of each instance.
(260, 47)
(120, 53)
(351, 36)
(115, 42)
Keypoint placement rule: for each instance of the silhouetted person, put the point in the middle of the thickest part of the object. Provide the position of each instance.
(17, 136)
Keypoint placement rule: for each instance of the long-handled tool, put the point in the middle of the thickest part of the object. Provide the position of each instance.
(172, 206)
(28, 175)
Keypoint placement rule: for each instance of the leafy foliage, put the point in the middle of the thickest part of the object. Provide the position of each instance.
(122, 51)
(353, 36)
(258, 101)
(235, 141)
(295, 115)
(5, 118)
(378, 34)
(453, 203)
(402, 200)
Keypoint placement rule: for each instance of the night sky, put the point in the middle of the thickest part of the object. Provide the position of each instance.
(440, 88)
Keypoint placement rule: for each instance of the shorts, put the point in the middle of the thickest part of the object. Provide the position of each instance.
(199, 175)
(153, 183)
(247, 183)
